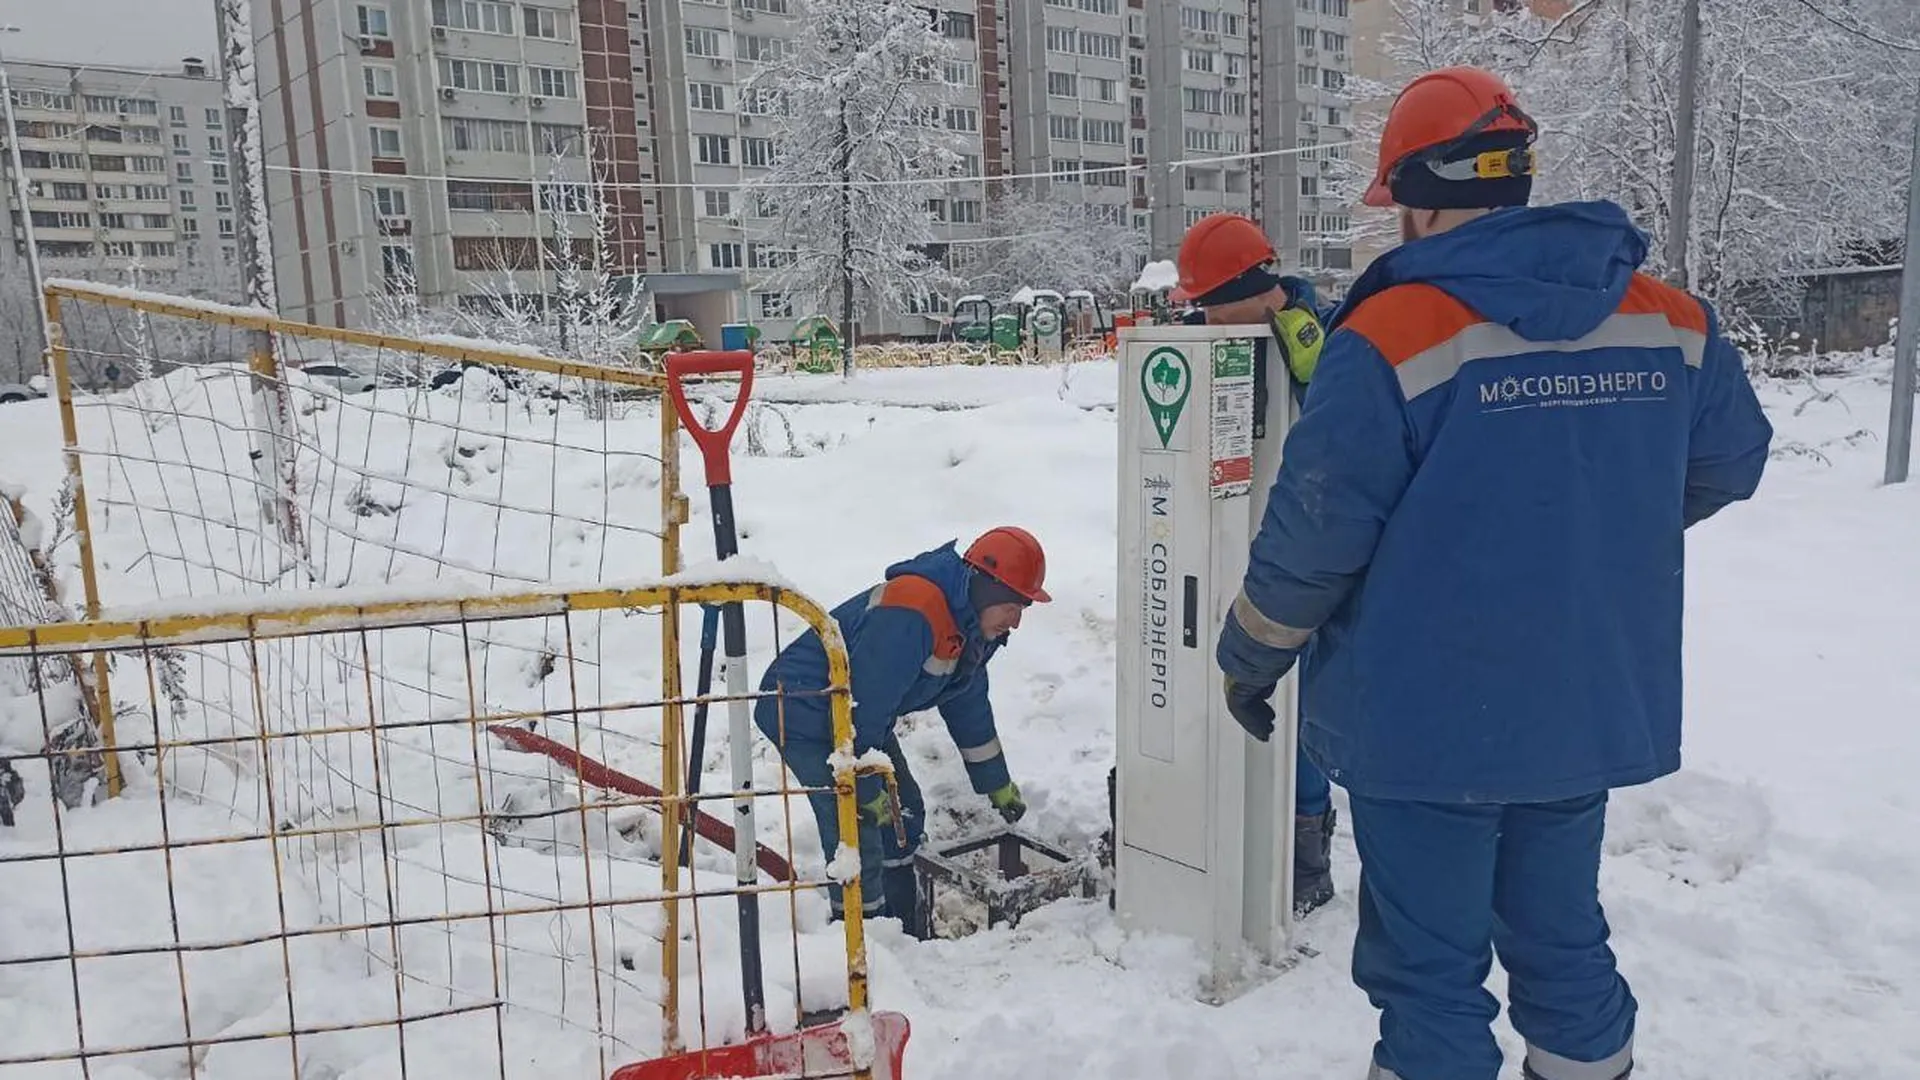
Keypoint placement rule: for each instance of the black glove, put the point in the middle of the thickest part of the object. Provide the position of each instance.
(1250, 707)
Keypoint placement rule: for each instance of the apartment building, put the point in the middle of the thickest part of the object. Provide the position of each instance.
(713, 135)
(434, 143)
(1251, 78)
(121, 169)
(443, 146)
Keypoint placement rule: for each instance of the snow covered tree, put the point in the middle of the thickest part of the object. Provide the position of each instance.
(1795, 169)
(859, 114)
(1047, 236)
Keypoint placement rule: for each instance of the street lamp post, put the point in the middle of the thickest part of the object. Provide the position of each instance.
(26, 214)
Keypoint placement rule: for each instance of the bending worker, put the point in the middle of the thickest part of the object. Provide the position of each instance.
(920, 639)
(1475, 548)
(1227, 272)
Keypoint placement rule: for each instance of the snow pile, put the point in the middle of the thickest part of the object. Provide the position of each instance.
(1761, 897)
(1156, 276)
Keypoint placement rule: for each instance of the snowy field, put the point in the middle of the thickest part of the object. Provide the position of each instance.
(1762, 899)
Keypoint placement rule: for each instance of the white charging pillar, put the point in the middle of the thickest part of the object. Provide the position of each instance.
(1203, 844)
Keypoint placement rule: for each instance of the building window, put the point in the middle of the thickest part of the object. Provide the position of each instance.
(1336, 8)
(1106, 46)
(478, 16)
(182, 146)
(479, 76)
(1205, 20)
(961, 73)
(183, 171)
(1095, 88)
(1101, 7)
(716, 202)
(379, 81)
(373, 20)
(219, 172)
(223, 200)
(1236, 64)
(157, 250)
(155, 221)
(1309, 187)
(1061, 39)
(551, 82)
(486, 136)
(957, 25)
(707, 97)
(1063, 84)
(762, 49)
(724, 256)
(548, 23)
(937, 209)
(1110, 132)
(217, 146)
(1332, 79)
(771, 7)
(960, 118)
(1201, 60)
(702, 41)
(756, 152)
(559, 140)
(775, 305)
(1201, 101)
(1306, 74)
(396, 267)
(713, 149)
(102, 163)
(1333, 42)
(965, 211)
(187, 201)
(566, 198)
(390, 201)
(1232, 25)
(177, 115)
(384, 141)
(1062, 128)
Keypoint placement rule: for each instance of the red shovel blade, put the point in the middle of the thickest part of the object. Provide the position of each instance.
(819, 1051)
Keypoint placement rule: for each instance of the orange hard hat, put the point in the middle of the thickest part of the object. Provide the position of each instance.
(1010, 555)
(1440, 109)
(1217, 249)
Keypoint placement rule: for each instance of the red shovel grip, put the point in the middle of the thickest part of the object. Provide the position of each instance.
(712, 441)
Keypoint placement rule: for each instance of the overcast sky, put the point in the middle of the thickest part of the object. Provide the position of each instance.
(123, 33)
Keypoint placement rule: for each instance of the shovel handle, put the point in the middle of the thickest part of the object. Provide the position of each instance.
(712, 441)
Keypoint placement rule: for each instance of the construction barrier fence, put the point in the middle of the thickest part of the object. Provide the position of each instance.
(385, 908)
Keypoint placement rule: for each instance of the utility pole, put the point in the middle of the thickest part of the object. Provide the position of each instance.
(1679, 222)
(237, 69)
(26, 215)
(1900, 421)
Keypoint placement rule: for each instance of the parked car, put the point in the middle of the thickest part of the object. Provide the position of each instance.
(343, 380)
(35, 387)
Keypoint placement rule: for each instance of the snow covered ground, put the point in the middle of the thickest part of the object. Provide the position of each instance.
(1762, 898)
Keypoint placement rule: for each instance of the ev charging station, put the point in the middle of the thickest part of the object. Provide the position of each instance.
(1203, 813)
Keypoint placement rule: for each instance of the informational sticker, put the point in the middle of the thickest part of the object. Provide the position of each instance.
(1165, 382)
(1231, 418)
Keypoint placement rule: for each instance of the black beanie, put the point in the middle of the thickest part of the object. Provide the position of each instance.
(985, 590)
(1417, 187)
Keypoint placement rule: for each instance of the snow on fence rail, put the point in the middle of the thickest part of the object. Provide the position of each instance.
(222, 451)
(410, 893)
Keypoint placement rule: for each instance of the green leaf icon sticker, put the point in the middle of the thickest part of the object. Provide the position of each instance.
(1165, 381)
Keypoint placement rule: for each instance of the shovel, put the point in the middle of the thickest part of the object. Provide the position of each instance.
(713, 444)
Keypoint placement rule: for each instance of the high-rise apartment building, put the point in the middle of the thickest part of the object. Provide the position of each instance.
(121, 169)
(443, 146)
(438, 147)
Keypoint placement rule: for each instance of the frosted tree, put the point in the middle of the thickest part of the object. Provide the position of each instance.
(859, 116)
(1794, 167)
(1047, 236)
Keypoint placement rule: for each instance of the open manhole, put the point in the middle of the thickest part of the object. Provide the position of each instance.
(994, 878)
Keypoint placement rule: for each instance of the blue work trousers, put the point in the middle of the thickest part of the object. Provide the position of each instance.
(1312, 792)
(881, 848)
(1445, 885)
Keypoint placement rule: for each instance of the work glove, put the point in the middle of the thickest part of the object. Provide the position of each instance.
(878, 809)
(1250, 708)
(1007, 800)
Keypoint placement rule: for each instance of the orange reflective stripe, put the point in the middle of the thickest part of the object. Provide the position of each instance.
(923, 596)
(1407, 320)
(1650, 296)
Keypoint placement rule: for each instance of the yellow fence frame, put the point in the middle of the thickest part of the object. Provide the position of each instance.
(265, 369)
(296, 618)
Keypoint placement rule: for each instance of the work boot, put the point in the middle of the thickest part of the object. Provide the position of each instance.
(903, 901)
(1312, 861)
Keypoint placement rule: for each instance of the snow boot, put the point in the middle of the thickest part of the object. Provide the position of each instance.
(903, 902)
(1312, 861)
(1527, 1073)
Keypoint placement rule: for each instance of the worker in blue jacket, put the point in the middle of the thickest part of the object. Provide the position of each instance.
(1228, 273)
(1474, 547)
(920, 639)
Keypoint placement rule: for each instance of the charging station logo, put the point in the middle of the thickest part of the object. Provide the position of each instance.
(1165, 381)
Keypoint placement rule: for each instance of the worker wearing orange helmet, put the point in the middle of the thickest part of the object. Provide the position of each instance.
(918, 640)
(1474, 549)
(1228, 272)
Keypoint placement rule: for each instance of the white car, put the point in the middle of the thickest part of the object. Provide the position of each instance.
(342, 380)
(35, 387)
